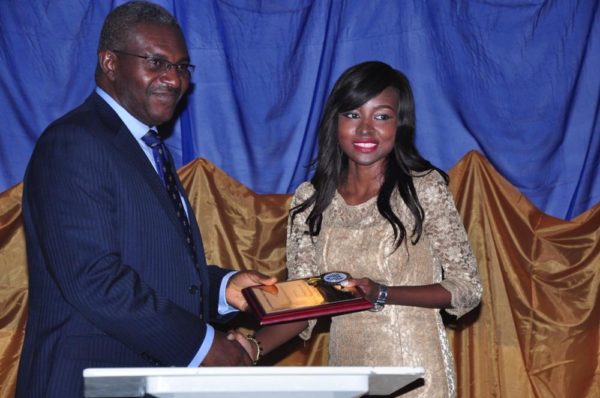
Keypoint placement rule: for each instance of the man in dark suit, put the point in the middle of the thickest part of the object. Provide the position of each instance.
(117, 273)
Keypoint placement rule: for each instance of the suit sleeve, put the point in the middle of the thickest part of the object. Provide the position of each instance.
(216, 275)
(70, 190)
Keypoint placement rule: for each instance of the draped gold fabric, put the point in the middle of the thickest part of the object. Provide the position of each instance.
(13, 288)
(536, 333)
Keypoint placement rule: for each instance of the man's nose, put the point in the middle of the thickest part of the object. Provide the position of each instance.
(171, 77)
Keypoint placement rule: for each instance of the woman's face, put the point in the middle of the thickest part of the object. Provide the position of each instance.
(367, 134)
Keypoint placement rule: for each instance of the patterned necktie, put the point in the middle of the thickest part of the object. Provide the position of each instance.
(167, 173)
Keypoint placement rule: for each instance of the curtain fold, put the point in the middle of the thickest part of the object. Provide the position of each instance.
(537, 330)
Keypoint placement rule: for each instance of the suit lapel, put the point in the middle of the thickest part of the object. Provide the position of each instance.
(132, 153)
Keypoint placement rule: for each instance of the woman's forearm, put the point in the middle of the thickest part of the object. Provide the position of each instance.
(272, 336)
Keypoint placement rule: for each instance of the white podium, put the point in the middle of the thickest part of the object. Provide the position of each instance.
(247, 382)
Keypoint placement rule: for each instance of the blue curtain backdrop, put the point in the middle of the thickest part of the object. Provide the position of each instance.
(516, 80)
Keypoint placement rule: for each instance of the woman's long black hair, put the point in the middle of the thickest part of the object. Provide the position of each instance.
(356, 86)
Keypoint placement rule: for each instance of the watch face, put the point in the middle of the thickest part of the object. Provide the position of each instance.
(383, 293)
(334, 277)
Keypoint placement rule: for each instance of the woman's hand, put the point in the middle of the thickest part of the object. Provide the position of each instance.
(249, 347)
(366, 286)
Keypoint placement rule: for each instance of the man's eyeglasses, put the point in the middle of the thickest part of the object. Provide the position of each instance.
(161, 65)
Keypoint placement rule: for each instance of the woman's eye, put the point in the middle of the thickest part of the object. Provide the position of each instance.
(383, 117)
(350, 115)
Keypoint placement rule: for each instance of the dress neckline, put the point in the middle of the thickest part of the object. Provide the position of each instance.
(356, 206)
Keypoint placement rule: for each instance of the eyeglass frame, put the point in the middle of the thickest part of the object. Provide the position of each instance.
(165, 65)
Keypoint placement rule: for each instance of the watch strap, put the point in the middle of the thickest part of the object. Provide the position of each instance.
(381, 298)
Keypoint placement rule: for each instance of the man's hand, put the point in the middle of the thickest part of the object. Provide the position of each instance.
(243, 279)
(226, 351)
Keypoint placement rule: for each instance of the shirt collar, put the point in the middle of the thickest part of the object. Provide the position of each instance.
(137, 128)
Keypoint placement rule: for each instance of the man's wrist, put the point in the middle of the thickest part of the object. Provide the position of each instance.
(204, 348)
(224, 307)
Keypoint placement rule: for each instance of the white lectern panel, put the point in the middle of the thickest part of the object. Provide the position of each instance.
(248, 382)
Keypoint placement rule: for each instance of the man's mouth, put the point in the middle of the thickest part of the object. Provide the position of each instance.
(167, 95)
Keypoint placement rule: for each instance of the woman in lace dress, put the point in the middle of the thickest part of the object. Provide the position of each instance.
(378, 210)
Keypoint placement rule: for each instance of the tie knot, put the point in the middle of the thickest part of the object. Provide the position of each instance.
(152, 139)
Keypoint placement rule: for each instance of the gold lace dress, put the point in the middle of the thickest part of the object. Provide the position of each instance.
(358, 240)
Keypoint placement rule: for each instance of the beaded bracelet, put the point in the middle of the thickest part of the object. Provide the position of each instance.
(259, 349)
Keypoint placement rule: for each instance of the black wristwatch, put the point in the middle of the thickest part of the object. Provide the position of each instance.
(381, 299)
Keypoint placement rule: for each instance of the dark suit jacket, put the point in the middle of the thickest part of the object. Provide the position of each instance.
(111, 280)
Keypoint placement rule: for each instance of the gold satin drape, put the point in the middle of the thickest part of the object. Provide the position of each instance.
(536, 333)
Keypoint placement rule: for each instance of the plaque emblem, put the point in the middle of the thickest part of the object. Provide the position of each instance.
(334, 277)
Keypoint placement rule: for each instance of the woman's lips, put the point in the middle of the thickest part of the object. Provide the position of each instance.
(365, 146)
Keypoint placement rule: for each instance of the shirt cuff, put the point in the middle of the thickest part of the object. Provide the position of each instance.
(204, 348)
(224, 307)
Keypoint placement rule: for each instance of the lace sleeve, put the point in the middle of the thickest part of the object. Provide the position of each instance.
(300, 247)
(301, 255)
(449, 244)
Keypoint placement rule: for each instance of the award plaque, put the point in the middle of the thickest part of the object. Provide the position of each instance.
(304, 298)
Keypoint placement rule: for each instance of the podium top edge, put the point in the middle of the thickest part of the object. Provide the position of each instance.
(251, 370)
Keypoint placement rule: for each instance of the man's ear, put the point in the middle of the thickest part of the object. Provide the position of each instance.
(108, 63)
